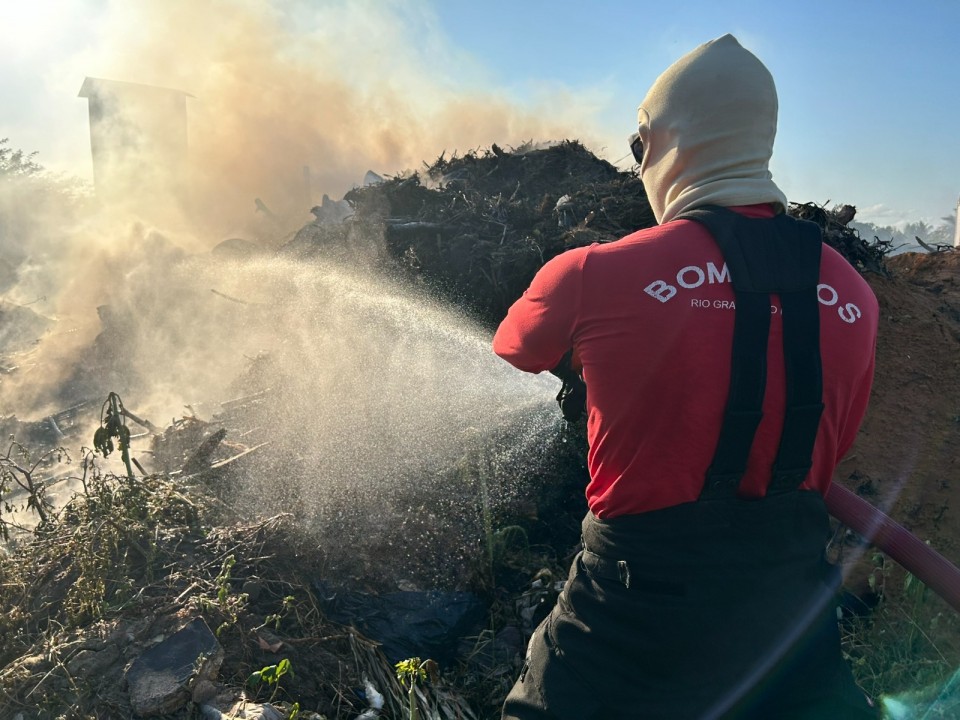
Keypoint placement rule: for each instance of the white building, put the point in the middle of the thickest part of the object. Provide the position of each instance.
(138, 138)
(956, 227)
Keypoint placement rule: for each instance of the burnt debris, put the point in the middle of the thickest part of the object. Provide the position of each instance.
(475, 228)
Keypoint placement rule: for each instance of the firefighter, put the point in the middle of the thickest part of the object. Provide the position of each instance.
(728, 356)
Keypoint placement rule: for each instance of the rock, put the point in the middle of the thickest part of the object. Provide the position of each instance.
(253, 587)
(203, 691)
(159, 680)
(89, 662)
(244, 710)
(408, 623)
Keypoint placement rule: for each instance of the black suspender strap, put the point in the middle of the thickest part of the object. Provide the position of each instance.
(748, 376)
(767, 256)
(801, 332)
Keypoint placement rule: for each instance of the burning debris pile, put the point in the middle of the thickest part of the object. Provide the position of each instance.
(365, 466)
(866, 257)
(493, 219)
(476, 228)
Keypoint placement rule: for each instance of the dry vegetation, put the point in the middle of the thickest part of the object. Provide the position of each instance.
(133, 557)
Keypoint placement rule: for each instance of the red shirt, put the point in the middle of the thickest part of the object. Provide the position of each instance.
(650, 318)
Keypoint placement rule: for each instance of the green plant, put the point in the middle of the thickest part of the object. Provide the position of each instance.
(16, 162)
(270, 676)
(907, 644)
(410, 672)
(111, 534)
(94, 556)
(275, 618)
(223, 580)
(227, 604)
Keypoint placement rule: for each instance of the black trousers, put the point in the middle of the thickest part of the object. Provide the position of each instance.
(715, 609)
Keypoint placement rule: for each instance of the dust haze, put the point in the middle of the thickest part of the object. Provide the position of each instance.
(285, 103)
(341, 89)
(370, 381)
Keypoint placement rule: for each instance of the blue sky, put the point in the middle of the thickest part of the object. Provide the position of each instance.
(869, 91)
(869, 101)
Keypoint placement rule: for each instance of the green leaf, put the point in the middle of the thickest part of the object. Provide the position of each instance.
(282, 668)
(269, 674)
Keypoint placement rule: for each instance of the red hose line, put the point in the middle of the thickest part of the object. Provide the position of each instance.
(926, 564)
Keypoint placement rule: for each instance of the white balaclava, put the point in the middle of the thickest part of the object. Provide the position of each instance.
(707, 127)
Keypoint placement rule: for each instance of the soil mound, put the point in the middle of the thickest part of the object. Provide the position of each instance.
(907, 456)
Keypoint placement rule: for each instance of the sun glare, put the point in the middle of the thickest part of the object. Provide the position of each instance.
(32, 27)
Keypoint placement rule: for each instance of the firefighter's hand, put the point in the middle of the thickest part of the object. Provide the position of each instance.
(572, 398)
(564, 369)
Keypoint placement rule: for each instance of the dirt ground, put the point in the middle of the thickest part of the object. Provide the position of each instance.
(906, 459)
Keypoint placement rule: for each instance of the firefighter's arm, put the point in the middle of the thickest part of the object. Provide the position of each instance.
(858, 409)
(538, 329)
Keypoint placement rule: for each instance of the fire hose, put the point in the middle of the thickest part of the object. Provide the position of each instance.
(926, 564)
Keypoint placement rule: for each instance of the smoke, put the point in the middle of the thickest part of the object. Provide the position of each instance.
(336, 87)
(377, 402)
